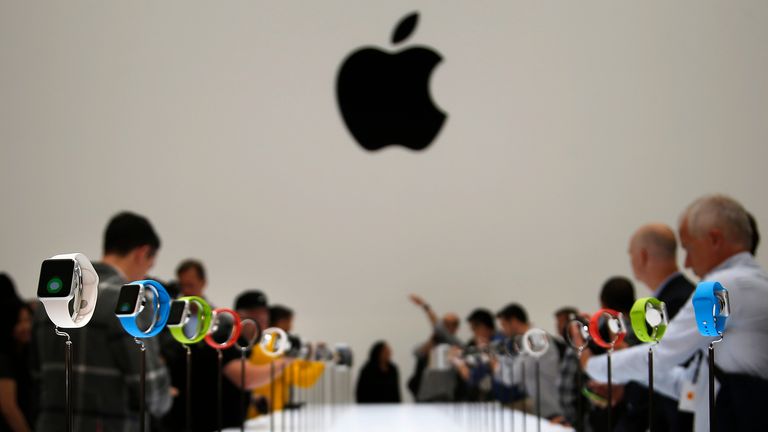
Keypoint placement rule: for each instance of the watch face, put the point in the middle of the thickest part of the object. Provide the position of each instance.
(724, 302)
(128, 301)
(177, 314)
(654, 316)
(56, 278)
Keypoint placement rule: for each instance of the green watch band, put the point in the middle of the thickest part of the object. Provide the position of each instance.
(203, 322)
(649, 312)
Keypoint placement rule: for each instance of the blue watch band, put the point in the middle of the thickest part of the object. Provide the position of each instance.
(164, 300)
(709, 319)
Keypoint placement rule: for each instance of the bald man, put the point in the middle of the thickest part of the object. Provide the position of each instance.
(653, 255)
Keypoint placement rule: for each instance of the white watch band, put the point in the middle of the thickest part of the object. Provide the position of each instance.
(270, 351)
(58, 309)
(528, 341)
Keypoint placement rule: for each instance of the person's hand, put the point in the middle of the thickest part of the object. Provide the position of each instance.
(174, 391)
(417, 300)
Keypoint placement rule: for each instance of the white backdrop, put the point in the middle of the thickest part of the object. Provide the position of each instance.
(570, 124)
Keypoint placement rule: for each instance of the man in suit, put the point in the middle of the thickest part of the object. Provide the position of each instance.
(653, 256)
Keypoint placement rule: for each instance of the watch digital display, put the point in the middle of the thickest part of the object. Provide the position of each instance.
(128, 300)
(176, 316)
(56, 278)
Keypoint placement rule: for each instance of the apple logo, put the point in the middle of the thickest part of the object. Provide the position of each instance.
(384, 97)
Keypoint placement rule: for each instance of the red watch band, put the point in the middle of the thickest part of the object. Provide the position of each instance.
(594, 328)
(235, 332)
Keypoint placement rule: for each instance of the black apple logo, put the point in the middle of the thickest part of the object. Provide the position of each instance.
(384, 98)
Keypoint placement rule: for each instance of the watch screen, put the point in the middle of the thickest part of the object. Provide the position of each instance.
(128, 300)
(177, 313)
(56, 278)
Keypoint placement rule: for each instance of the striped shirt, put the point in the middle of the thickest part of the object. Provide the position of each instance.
(105, 369)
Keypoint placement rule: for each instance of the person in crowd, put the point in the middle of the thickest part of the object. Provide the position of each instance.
(106, 358)
(653, 257)
(252, 304)
(521, 374)
(569, 394)
(475, 368)
(431, 381)
(191, 278)
(17, 399)
(563, 316)
(281, 317)
(717, 236)
(379, 381)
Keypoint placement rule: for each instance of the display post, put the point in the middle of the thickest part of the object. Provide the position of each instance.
(712, 307)
(142, 383)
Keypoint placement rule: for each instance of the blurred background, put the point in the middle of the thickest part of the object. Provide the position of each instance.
(569, 125)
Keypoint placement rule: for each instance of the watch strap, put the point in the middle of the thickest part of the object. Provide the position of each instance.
(594, 328)
(129, 322)
(233, 337)
(203, 320)
(58, 309)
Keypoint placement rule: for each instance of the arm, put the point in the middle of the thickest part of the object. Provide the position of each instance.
(255, 375)
(418, 301)
(681, 341)
(10, 408)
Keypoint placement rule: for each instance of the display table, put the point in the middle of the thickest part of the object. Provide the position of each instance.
(401, 418)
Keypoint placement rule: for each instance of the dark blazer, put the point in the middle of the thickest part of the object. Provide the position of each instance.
(676, 293)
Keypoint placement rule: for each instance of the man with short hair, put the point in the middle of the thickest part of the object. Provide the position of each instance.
(191, 276)
(281, 317)
(717, 237)
(105, 358)
(514, 324)
(653, 256)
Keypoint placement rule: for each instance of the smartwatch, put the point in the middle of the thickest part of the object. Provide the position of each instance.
(274, 342)
(580, 325)
(649, 312)
(712, 305)
(615, 327)
(535, 342)
(249, 342)
(132, 301)
(68, 279)
(180, 314)
(217, 325)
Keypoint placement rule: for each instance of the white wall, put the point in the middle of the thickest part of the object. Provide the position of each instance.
(570, 124)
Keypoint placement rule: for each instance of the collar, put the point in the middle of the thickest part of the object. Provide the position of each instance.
(739, 260)
(666, 282)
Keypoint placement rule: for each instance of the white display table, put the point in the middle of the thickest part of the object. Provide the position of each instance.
(401, 418)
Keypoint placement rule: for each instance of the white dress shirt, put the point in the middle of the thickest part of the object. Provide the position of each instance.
(744, 349)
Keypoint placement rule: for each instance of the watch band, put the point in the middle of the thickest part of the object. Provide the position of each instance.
(267, 339)
(638, 317)
(528, 339)
(709, 317)
(594, 328)
(58, 309)
(203, 322)
(164, 308)
(232, 337)
(582, 325)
